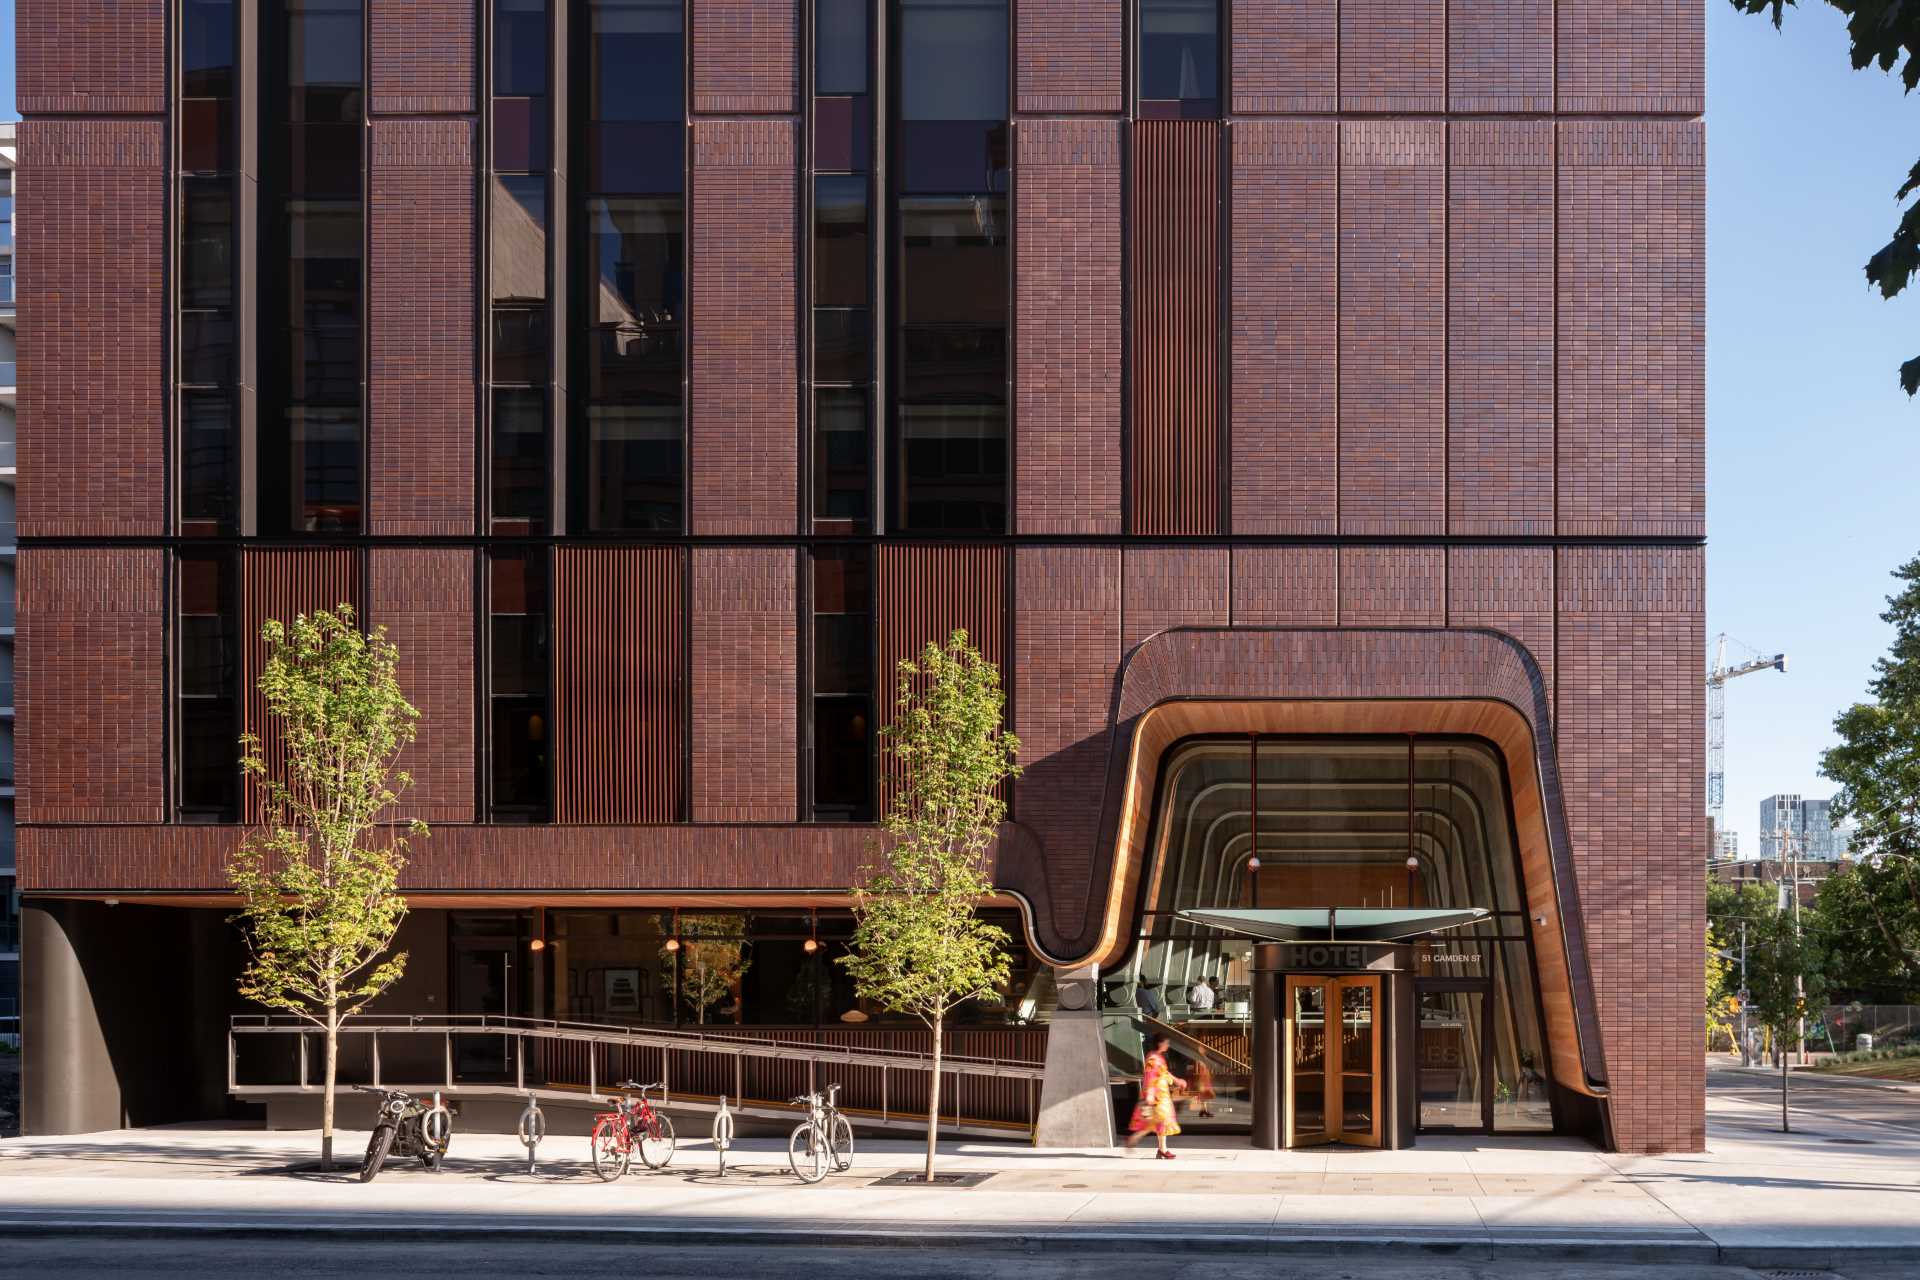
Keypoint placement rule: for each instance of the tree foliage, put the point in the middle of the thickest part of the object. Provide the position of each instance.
(1883, 34)
(919, 945)
(318, 875)
(712, 959)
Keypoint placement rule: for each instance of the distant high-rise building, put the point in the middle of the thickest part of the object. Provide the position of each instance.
(1815, 837)
(1727, 845)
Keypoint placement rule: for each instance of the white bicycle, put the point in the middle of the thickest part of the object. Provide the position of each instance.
(823, 1142)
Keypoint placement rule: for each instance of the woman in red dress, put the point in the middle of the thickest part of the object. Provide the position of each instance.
(1155, 1112)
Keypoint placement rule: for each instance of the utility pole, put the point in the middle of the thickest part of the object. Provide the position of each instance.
(1791, 868)
(1746, 998)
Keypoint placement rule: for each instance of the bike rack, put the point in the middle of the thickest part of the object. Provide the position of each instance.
(533, 1127)
(723, 1133)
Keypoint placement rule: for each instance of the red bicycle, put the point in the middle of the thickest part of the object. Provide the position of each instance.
(632, 1125)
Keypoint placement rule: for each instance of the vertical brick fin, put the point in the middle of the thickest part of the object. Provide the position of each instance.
(1632, 329)
(922, 594)
(1067, 322)
(1393, 55)
(1066, 650)
(280, 584)
(90, 687)
(743, 425)
(1509, 589)
(420, 311)
(91, 57)
(1393, 586)
(93, 309)
(1286, 326)
(1500, 55)
(618, 684)
(1175, 262)
(746, 57)
(1286, 56)
(1631, 703)
(1162, 587)
(1500, 328)
(1285, 587)
(424, 598)
(1069, 57)
(746, 637)
(1392, 327)
(1633, 57)
(424, 56)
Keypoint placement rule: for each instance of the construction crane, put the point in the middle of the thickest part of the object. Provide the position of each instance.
(1717, 676)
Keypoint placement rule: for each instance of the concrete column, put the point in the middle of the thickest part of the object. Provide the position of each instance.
(1076, 1109)
(67, 1080)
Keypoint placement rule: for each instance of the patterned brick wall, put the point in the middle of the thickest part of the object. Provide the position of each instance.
(1392, 327)
(1631, 706)
(743, 429)
(91, 57)
(1509, 589)
(1163, 587)
(1067, 323)
(89, 670)
(1500, 55)
(1286, 56)
(1066, 646)
(1393, 55)
(423, 56)
(420, 315)
(1635, 56)
(1286, 587)
(91, 215)
(746, 57)
(424, 597)
(1500, 434)
(1393, 586)
(1286, 326)
(745, 638)
(1068, 56)
(1632, 314)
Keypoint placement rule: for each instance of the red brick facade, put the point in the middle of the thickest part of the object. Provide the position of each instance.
(1448, 358)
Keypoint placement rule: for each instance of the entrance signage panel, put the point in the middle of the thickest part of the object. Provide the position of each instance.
(1330, 957)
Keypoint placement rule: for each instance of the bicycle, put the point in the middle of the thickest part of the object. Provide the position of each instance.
(406, 1126)
(632, 1125)
(823, 1139)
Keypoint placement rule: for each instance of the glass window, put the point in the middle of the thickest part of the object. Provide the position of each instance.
(206, 348)
(517, 685)
(953, 60)
(842, 460)
(518, 251)
(634, 464)
(842, 344)
(1180, 55)
(206, 48)
(842, 677)
(206, 134)
(519, 345)
(209, 776)
(840, 62)
(519, 48)
(206, 242)
(954, 467)
(521, 497)
(842, 248)
(636, 60)
(953, 261)
(325, 455)
(206, 463)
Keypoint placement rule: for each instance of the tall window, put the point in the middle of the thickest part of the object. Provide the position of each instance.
(950, 286)
(519, 263)
(1180, 59)
(313, 224)
(208, 779)
(627, 455)
(518, 684)
(842, 672)
(205, 350)
(842, 269)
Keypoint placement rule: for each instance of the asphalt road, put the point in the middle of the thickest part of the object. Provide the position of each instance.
(1815, 1101)
(485, 1260)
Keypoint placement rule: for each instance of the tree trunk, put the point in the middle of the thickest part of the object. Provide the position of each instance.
(933, 1101)
(1785, 1125)
(326, 1103)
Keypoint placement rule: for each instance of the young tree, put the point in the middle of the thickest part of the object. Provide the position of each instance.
(919, 944)
(318, 877)
(712, 958)
(1785, 978)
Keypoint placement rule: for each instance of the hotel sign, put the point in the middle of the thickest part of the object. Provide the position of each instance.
(1329, 957)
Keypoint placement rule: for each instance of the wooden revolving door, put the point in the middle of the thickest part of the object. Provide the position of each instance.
(1330, 1089)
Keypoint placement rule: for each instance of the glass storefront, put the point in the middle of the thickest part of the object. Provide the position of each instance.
(1401, 822)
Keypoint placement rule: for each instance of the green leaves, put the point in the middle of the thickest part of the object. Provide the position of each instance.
(318, 877)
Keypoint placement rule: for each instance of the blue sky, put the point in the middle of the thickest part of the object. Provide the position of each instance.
(1813, 451)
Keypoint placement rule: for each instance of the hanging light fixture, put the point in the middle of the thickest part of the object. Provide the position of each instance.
(812, 944)
(673, 941)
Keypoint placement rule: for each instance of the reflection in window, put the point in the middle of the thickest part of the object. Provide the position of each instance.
(517, 685)
(205, 352)
(1180, 58)
(842, 677)
(519, 267)
(208, 781)
(843, 267)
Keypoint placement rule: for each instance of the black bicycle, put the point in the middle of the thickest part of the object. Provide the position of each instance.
(406, 1126)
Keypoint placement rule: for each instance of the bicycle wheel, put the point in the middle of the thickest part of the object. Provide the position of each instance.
(657, 1143)
(842, 1143)
(611, 1151)
(808, 1154)
(378, 1144)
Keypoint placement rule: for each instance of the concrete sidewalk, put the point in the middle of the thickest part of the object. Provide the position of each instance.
(1837, 1194)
